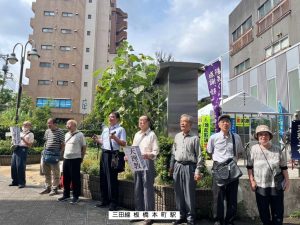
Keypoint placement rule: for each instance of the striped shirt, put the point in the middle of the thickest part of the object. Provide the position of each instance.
(54, 139)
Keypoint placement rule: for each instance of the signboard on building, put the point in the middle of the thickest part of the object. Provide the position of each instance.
(233, 125)
(205, 131)
(295, 140)
(242, 121)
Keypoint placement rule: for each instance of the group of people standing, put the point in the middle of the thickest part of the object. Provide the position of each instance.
(186, 165)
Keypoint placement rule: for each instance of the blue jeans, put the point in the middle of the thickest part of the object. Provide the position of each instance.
(18, 165)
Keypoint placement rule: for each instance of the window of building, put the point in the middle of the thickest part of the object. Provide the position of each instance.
(86, 67)
(49, 13)
(46, 47)
(271, 93)
(47, 30)
(63, 65)
(267, 7)
(65, 48)
(90, 1)
(66, 31)
(62, 83)
(44, 82)
(89, 16)
(87, 49)
(253, 91)
(85, 84)
(45, 64)
(88, 33)
(54, 103)
(240, 83)
(243, 66)
(277, 47)
(294, 90)
(242, 29)
(67, 14)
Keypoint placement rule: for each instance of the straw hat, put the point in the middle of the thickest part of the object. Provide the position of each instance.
(262, 128)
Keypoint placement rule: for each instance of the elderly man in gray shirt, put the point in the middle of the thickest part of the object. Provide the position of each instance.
(222, 146)
(186, 163)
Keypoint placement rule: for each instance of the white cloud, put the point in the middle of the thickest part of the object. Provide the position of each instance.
(191, 30)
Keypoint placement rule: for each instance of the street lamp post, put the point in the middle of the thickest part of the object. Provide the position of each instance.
(12, 59)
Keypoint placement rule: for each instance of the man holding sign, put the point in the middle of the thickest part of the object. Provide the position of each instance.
(147, 142)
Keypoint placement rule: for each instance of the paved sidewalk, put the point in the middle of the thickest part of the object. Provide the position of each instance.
(27, 207)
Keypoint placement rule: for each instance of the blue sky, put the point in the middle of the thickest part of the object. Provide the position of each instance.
(190, 30)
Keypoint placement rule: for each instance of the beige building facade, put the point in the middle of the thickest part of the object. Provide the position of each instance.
(265, 52)
(73, 38)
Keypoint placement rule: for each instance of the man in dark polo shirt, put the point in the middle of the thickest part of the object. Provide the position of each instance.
(54, 141)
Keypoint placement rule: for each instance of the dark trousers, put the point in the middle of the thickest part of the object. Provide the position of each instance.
(228, 193)
(109, 187)
(185, 190)
(71, 173)
(18, 165)
(270, 208)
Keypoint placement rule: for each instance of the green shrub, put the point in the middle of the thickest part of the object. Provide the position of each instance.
(5, 148)
(295, 214)
(163, 161)
(90, 164)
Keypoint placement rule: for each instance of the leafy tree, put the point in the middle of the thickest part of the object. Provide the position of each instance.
(27, 111)
(127, 86)
(6, 96)
(163, 57)
(40, 116)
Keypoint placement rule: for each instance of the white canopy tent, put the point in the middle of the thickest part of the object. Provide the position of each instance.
(238, 103)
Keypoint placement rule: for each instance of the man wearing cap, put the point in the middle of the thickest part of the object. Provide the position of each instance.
(223, 146)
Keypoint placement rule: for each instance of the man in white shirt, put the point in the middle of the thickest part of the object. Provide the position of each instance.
(75, 148)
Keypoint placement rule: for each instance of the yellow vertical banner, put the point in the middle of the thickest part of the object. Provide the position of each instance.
(205, 131)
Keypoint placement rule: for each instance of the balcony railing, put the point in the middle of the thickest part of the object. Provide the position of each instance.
(241, 42)
(274, 16)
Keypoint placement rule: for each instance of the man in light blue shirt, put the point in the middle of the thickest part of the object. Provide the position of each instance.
(111, 140)
(222, 146)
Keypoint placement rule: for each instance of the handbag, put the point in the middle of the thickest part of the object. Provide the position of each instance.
(118, 162)
(277, 176)
(51, 157)
(228, 171)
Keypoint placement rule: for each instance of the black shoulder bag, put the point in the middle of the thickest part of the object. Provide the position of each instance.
(228, 171)
(117, 159)
(278, 176)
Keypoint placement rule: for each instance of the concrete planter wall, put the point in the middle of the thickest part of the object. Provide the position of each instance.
(291, 198)
(5, 160)
(164, 195)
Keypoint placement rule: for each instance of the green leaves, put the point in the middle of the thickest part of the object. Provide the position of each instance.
(126, 86)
